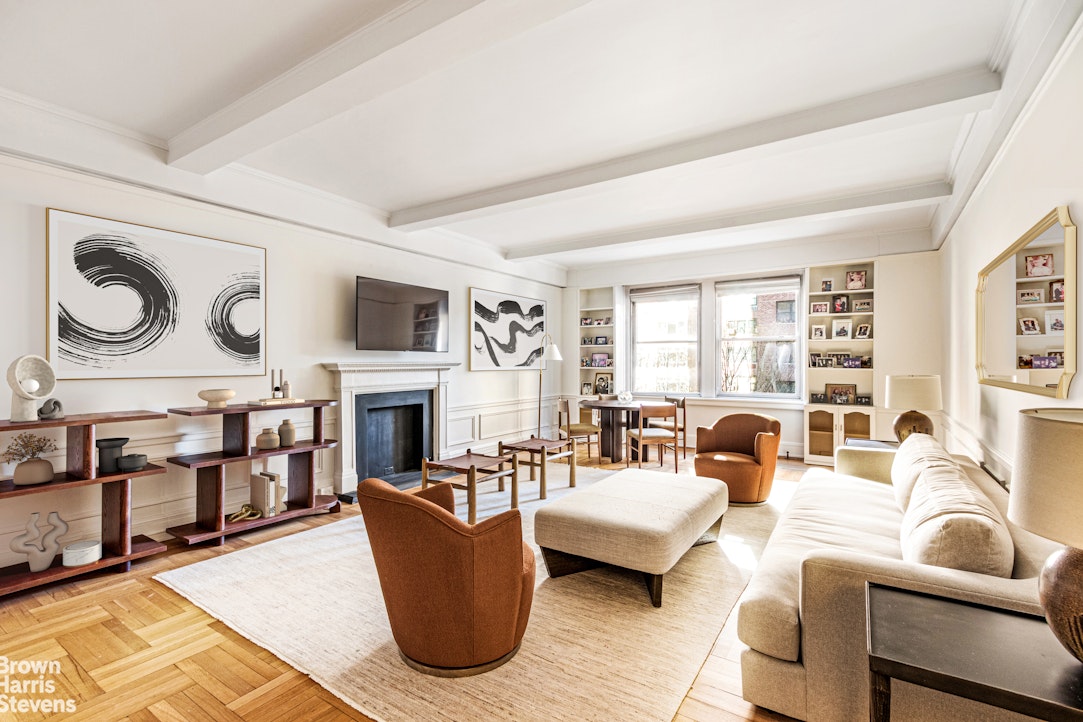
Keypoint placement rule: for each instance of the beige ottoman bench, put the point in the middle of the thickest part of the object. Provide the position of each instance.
(642, 520)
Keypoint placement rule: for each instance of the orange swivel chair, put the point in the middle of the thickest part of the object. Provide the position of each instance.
(741, 450)
(458, 595)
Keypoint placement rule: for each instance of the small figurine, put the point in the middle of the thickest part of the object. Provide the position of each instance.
(51, 409)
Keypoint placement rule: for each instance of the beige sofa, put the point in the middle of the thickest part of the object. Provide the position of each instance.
(903, 518)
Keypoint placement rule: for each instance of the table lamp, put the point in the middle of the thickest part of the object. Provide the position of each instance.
(913, 392)
(550, 352)
(1047, 498)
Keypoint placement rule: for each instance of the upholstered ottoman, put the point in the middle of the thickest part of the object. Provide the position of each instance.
(642, 520)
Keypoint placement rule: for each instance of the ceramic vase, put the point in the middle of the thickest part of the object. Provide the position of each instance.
(267, 440)
(109, 450)
(33, 471)
(287, 433)
(40, 550)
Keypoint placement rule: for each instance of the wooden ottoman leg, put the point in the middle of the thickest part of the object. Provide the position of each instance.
(711, 535)
(559, 563)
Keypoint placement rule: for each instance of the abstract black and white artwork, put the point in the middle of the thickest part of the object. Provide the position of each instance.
(506, 331)
(131, 301)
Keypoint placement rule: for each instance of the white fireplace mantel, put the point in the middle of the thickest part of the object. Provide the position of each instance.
(371, 377)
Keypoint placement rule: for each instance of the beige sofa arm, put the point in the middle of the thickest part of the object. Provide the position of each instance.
(872, 464)
(832, 609)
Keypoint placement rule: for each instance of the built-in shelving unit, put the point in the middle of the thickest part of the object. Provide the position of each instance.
(1039, 312)
(840, 333)
(301, 497)
(119, 548)
(597, 340)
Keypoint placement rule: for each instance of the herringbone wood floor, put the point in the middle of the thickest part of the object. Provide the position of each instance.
(131, 649)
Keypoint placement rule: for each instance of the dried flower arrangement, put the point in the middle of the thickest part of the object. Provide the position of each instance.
(27, 446)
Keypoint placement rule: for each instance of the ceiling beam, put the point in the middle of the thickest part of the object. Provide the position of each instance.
(959, 93)
(416, 39)
(890, 199)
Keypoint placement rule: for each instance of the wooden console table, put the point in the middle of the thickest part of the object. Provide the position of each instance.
(1003, 658)
(119, 547)
(301, 497)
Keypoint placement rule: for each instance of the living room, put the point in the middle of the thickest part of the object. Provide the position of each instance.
(989, 161)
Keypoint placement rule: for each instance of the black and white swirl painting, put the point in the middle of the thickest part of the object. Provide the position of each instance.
(131, 301)
(506, 331)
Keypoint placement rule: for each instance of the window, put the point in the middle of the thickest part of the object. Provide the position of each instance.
(757, 337)
(665, 339)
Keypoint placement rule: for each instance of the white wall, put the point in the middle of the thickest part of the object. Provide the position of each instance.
(310, 302)
(1037, 169)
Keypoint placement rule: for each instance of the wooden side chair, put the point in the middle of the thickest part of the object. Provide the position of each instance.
(680, 422)
(577, 430)
(647, 434)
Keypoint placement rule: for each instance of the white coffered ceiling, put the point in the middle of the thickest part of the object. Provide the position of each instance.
(573, 131)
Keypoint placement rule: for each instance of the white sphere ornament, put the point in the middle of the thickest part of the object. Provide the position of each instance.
(217, 398)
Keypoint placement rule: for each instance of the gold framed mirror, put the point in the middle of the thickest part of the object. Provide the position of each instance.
(1026, 307)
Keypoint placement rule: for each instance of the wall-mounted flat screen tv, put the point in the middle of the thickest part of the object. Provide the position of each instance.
(395, 316)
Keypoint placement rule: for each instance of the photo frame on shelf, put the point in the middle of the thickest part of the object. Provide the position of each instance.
(1024, 361)
(819, 333)
(818, 307)
(851, 362)
(132, 301)
(587, 390)
(586, 321)
(603, 383)
(1029, 326)
(841, 393)
(1043, 362)
(1029, 295)
(506, 331)
(826, 285)
(587, 341)
(1040, 264)
(1058, 354)
(599, 360)
(862, 305)
(817, 398)
(1054, 322)
(855, 280)
(864, 400)
(601, 340)
(840, 304)
(1056, 291)
(600, 322)
(864, 330)
(841, 328)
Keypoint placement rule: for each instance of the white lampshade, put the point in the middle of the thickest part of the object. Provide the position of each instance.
(921, 393)
(1047, 476)
(550, 352)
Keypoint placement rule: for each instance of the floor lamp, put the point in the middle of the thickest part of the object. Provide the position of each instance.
(550, 352)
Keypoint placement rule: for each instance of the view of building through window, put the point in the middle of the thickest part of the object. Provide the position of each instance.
(757, 336)
(665, 340)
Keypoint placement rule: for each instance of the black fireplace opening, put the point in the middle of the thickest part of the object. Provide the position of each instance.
(393, 433)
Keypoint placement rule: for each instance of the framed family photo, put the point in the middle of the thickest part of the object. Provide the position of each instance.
(132, 301)
(1040, 264)
(1030, 295)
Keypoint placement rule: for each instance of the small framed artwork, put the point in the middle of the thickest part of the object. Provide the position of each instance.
(841, 393)
(1043, 362)
(864, 400)
(855, 280)
(841, 327)
(587, 390)
(601, 340)
(1029, 326)
(1040, 264)
(862, 305)
(1025, 361)
(1058, 354)
(851, 362)
(1056, 292)
(825, 285)
(817, 307)
(602, 383)
(599, 359)
(864, 330)
(1054, 322)
(819, 333)
(1029, 295)
(599, 322)
(817, 398)
(866, 362)
(840, 304)
(586, 321)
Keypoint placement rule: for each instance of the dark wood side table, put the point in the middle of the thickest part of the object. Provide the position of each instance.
(1003, 658)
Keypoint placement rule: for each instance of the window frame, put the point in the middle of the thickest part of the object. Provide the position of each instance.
(671, 292)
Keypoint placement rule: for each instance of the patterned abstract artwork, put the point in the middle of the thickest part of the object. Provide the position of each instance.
(506, 331)
(130, 301)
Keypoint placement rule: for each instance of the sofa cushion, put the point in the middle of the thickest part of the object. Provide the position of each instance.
(917, 453)
(828, 511)
(951, 523)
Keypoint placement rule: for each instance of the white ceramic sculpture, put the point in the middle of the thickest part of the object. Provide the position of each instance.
(31, 379)
(40, 550)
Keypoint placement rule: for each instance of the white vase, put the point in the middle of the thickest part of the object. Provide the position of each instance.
(40, 551)
(33, 471)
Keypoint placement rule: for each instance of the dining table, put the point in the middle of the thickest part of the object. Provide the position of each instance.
(613, 415)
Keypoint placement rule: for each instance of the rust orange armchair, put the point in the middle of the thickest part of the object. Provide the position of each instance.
(741, 450)
(458, 595)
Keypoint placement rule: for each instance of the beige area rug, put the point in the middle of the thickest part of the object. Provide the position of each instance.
(595, 648)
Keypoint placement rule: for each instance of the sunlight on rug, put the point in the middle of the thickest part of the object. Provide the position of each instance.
(595, 648)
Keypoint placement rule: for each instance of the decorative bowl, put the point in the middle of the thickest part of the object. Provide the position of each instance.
(80, 553)
(217, 398)
(132, 462)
